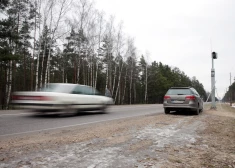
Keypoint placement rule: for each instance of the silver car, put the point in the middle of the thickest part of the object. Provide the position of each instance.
(182, 98)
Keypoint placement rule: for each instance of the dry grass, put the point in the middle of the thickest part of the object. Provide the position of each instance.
(220, 107)
(227, 107)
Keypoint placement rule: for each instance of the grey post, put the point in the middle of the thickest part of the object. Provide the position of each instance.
(213, 105)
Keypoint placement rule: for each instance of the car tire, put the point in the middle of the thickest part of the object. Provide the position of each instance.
(69, 111)
(201, 110)
(167, 111)
(197, 111)
(103, 110)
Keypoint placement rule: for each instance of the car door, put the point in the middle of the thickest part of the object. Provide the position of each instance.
(86, 98)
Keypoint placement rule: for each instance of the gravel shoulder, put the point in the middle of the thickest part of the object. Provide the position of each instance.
(175, 140)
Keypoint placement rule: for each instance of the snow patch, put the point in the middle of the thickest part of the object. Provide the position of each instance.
(169, 134)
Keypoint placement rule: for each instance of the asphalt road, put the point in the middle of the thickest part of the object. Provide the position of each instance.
(24, 122)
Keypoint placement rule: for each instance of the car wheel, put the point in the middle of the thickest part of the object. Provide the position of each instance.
(69, 111)
(201, 110)
(167, 111)
(197, 111)
(104, 109)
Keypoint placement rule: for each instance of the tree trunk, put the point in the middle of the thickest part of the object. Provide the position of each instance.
(63, 74)
(114, 78)
(34, 41)
(124, 92)
(43, 56)
(119, 79)
(83, 73)
(146, 84)
(96, 73)
(52, 35)
(47, 73)
(78, 70)
(107, 77)
(131, 80)
(110, 75)
(24, 78)
(134, 88)
(40, 43)
(37, 66)
(9, 83)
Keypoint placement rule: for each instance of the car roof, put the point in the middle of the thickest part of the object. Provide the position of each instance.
(67, 84)
(180, 87)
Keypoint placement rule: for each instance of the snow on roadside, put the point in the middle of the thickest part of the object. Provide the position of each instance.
(170, 134)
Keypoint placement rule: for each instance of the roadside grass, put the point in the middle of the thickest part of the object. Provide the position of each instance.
(227, 107)
(207, 106)
(221, 107)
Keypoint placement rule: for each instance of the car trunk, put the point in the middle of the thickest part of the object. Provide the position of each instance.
(178, 99)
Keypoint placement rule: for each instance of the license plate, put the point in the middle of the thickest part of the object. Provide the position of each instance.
(176, 101)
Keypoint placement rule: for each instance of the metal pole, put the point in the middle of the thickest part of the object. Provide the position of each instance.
(213, 106)
(230, 90)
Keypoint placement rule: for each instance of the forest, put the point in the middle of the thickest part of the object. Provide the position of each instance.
(230, 93)
(70, 41)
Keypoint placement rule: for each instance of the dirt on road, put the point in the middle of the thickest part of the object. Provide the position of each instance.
(164, 141)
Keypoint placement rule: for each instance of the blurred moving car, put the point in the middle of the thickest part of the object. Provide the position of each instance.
(62, 97)
(182, 98)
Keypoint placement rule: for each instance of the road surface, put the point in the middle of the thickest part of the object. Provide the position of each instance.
(20, 122)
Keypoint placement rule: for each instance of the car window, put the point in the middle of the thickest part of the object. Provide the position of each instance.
(85, 90)
(77, 90)
(195, 92)
(179, 92)
(60, 88)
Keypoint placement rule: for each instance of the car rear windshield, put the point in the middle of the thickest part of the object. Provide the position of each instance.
(179, 92)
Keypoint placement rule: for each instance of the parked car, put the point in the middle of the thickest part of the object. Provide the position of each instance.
(62, 97)
(182, 98)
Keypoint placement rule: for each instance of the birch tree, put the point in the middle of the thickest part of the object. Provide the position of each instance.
(131, 63)
(108, 47)
(119, 58)
(63, 6)
(38, 4)
(146, 78)
(100, 36)
(82, 10)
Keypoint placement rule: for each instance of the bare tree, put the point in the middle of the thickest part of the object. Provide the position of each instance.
(47, 9)
(63, 6)
(38, 4)
(100, 36)
(146, 77)
(119, 46)
(130, 55)
(109, 35)
(9, 82)
(82, 11)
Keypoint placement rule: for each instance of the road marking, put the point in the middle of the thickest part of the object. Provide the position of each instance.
(72, 125)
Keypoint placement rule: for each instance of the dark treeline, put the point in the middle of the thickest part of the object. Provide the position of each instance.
(68, 41)
(230, 94)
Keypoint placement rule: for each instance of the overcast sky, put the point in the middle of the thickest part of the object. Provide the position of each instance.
(179, 33)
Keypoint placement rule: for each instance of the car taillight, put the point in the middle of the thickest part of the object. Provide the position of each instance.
(44, 98)
(14, 97)
(190, 97)
(37, 98)
(166, 97)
